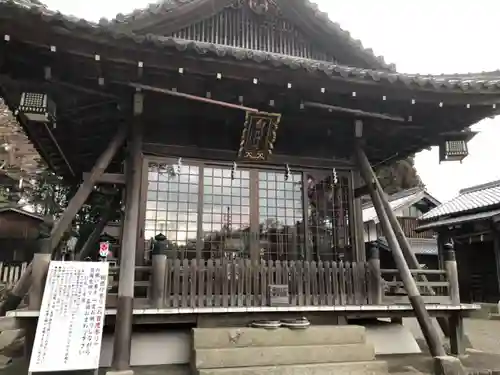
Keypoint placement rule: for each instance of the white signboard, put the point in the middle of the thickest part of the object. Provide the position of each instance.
(69, 331)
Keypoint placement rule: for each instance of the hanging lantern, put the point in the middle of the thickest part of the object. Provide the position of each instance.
(37, 107)
(453, 147)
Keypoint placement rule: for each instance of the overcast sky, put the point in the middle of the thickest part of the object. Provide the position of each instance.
(425, 36)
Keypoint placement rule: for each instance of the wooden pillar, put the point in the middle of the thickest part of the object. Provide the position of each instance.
(430, 333)
(375, 275)
(41, 261)
(357, 216)
(125, 303)
(452, 274)
(22, 286)
(254, 216)
(159, 269)
(457, 335)
(455, 322)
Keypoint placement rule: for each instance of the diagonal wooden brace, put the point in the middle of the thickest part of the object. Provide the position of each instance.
(23, 285)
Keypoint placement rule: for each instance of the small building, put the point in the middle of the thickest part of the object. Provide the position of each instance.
(471, 222)
(18, 233)
(408, 206)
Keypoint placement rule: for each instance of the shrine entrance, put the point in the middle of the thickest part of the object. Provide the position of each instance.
(211, 210)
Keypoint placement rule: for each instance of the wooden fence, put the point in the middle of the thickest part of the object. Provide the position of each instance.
(221, 283)
(10, 272)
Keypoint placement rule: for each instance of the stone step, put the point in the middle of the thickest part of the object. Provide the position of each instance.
(215, 338)
(282, 355)
(356, 368)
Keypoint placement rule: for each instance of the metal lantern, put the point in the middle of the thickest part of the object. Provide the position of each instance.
(37, 107)
(453, 147)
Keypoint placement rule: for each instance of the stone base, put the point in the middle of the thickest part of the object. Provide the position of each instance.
(448, 365)
(124, 372)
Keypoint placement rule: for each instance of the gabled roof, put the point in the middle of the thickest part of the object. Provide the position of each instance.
(476, 198)
(17, 209)
(400, 200)
(304, 13)
(123, 27)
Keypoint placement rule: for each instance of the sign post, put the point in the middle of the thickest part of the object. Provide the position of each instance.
(69, 331)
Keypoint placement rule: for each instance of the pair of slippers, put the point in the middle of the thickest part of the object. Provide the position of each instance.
(301, 323)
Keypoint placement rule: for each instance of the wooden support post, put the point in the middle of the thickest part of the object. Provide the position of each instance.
(455, 322)
(375, 275)
(409, 255)
(23, 285)
(452, 273)
(125, 303)
(430, 333)
(359, 238)
(159, 270)
(41, 261)
(457, 335)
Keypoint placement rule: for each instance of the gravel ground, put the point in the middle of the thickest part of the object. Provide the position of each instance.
(484, 335)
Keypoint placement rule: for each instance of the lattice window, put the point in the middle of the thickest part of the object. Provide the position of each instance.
(226, 213)
(280, 216)
(328, 216)
(171, 208)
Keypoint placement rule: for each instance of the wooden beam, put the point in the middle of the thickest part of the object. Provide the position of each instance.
(87, 186)
(190, 97)
(362, 190)
(108, 178)
(229, 156)
(356, 112)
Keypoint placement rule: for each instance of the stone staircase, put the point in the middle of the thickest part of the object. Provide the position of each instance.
(317, 350)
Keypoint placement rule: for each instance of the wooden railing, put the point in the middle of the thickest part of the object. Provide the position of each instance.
(199, 283)
(433, 285)
(409, 224)
(10, 272)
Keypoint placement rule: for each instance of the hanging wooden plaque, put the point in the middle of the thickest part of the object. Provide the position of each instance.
(258, 136)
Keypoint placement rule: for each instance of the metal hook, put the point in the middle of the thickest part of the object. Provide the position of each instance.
(233, 171)
(179, 166)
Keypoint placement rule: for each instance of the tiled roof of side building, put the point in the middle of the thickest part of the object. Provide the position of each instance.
(474, 198)
(399, 200)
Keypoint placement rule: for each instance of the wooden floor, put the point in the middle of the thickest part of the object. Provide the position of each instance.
(381, 309)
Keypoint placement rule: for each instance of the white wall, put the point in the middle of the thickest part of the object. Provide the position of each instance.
(165, 347)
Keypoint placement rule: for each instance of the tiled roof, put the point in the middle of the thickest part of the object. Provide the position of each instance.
(474, 198)
(167, 6)
(421, 246)
(458, 220)
(470, 82)
(397, 201)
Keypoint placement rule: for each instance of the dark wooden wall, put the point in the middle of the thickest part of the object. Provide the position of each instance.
(18, 234)
(15, 225)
